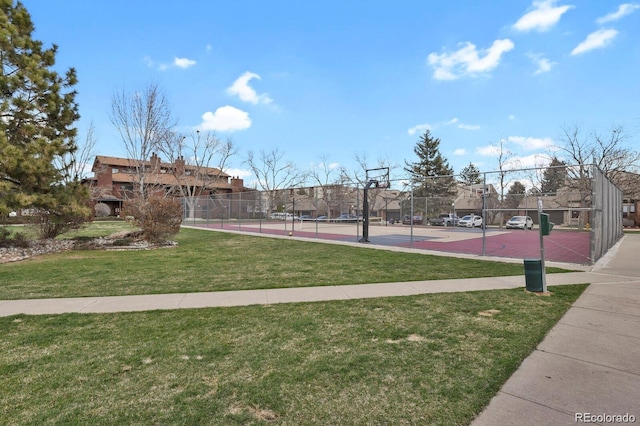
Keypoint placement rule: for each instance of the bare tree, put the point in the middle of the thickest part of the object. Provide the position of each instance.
(199, 161)
(145, 122)
(325, 177)
(274, 174)
(364, 163)
(359, 176)
(77, 164)
(506, 163)
(607, 153)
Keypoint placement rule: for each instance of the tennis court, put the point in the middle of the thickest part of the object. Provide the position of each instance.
(567, 246)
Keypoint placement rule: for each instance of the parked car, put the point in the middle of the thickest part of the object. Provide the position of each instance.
(417, 220)
(306, 218)
(284, 216)
(445, 219)
(470, 221)
(520, 222)
(346, 218)
(321, 219)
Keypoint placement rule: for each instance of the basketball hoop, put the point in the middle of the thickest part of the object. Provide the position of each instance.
(375, 178)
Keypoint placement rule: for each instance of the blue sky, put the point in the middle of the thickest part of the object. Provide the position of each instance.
(334, 79)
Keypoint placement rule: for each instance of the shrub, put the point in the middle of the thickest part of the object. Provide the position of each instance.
(18, 239)
(5, 237)
(159, 218)
(102, 210)
(52, 224)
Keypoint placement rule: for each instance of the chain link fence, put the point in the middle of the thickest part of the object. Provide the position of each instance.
(441, 213)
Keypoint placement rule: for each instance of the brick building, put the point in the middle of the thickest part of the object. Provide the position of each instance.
(117, 179)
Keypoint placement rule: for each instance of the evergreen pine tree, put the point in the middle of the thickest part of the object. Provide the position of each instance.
(431, 173)
(38, 111)
(470, 175)
(554, 177)
(515, 195)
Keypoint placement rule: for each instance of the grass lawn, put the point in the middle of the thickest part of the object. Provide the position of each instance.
(93, 229)
(215, 261)
(433, 359)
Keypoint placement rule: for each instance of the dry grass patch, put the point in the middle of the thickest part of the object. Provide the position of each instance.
(489, 313)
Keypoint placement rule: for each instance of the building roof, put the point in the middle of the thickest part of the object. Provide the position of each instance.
(105, 160)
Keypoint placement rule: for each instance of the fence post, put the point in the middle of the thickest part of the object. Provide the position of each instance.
(484, 214)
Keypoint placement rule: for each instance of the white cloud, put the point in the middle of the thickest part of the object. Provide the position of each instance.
(183, 63)
(531, 144)
(488, 151)
(511, 117)
(226, 119)
(419, 127)
(543, 17)
(241, 88)
(468, 126)
(467, 60)
(623, 10)
(596, 40)
(453, 121)
(542, 64)
(461, 125)
(512, 162)
(460, 151)
(241, 173)
(530, 161)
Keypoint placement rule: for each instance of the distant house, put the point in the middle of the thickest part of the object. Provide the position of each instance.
(629, 184)
(563, 207)
(385, 204)
(568, 206)
(117, 179)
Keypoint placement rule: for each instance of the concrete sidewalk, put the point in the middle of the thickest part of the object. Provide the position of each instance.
(282, 295)
(587, 369)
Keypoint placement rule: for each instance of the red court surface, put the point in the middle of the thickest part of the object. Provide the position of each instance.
(567, 246)
(559, 246)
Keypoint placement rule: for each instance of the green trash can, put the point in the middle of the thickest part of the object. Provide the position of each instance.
(533, 274)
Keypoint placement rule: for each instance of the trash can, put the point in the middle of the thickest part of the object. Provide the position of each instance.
(533, 274)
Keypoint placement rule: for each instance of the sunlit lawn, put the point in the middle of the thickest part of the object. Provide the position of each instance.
(215, 261)
(434, 359)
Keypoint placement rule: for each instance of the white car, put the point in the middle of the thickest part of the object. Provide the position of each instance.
(284, 216)
(520, 222)
(470, 221)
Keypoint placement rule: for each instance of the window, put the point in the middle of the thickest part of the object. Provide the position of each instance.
(114, 170)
